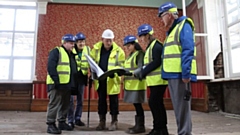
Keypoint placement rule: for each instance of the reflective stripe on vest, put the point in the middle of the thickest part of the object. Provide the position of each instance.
(130, 82)
(63, 68)
(153, 78)
(82, 63)
(116, 59)
(173, 50)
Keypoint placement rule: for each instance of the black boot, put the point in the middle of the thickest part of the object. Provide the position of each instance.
(102, 123)
(158, 132)
(113, 125)
(71, 124)
(64, 126)
(52, 129)
(164, 131)
(139, 125)
(133, 126)
(79, 123)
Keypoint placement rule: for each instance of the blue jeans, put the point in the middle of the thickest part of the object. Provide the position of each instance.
(78, 111)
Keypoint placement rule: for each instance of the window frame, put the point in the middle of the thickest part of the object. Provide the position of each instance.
(209, 65)
(12, 57)
(230, 47)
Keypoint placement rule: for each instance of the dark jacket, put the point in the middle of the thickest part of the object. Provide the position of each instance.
(156, 56)
(52, 71)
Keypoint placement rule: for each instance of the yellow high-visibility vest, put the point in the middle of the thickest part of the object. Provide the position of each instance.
(173, 50)
(63, 68)
(82, 62)
(130, 82)
(153, 78)
(116, 58)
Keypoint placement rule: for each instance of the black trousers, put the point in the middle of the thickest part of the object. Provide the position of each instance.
(157, 107)
(139, 109)
(102, 100)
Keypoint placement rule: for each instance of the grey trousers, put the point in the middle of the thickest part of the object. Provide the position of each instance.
(182, 108)
(59, 101)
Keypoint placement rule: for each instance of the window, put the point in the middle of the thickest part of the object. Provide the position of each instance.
(17, 41)
(194, 9)
(232, 8)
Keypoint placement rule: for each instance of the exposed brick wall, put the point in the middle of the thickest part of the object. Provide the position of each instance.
(231, 92)
(215, 97)
(224, 96)
(218, 66)
(215, 90)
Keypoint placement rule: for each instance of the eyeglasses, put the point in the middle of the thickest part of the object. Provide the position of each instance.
(163, 15)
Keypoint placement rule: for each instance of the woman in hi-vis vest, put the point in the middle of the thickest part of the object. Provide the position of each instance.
(152, 73)
(134, 89)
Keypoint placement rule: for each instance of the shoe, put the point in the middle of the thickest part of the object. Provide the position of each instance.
(160, 132)
(64, 126)
(52, 129)
(79, 123)
(154, 132)
(139, 126)
(114, 122)
(102, 123)
(71, 125)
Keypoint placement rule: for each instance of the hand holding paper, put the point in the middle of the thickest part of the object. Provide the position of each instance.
(98, 74)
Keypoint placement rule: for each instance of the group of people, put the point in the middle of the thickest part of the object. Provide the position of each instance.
(172, 64)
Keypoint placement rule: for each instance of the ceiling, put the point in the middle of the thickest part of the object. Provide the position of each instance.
(140, 3)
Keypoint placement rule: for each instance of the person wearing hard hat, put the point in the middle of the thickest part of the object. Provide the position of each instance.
(151, 71)
(80, 48)
(108, 55)
(134, 89)
(60, 81)
(179, 63)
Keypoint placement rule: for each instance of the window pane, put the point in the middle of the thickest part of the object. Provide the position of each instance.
(200, 43)
(23, 44)
(4, 68)
(235, 60)
(233, 16)
(18, 3)
(6, 43)
(22, 69)
(234, 34)
(6, 19)
(194, 10)
(25, 20)
(231, 4)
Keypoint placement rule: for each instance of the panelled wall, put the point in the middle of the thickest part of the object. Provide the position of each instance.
(199, 100)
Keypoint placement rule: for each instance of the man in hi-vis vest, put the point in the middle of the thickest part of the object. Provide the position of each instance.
(179, 63)
(152, 71)
(80, 48)
(60, 81)
(108, 55)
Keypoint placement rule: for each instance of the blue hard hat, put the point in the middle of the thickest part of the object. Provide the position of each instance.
(129, 39)
(145, 29)
(69, 38)
(168, 6)
(80, 36)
